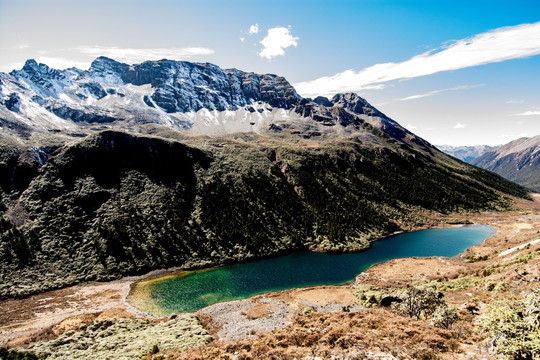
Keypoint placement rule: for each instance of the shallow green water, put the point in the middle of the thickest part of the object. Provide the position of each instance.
(198, 289)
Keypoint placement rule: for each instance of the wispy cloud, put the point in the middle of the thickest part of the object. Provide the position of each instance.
(82, 56)
(506, 137)
(493, 46)
(515, 101)
(529, 113)
(460, 126)
(12, 66)
(276, 41)
(133, 56)
(434, 92)
(410, 126)
(253, 29)
(62, 63)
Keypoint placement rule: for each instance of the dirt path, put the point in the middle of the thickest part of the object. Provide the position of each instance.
(49, 314)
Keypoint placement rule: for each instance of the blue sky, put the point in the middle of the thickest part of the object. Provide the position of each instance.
(454, 72)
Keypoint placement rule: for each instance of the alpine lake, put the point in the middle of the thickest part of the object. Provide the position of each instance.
(189, 291)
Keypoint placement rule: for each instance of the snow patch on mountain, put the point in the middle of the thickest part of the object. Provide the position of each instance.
(200, 97)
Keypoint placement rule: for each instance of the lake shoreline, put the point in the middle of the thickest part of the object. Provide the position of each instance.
(45, 315)
(189, 291)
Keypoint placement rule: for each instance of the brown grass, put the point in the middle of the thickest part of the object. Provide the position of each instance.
(349, 335)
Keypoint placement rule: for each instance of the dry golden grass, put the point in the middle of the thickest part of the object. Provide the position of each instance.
(345, 335)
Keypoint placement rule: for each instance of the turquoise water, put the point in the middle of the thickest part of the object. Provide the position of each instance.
(198, 289)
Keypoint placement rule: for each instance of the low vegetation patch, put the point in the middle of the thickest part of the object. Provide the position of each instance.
(124, 339)
(453, 221)
(419, 302)
(523, 259)
(340, 335)
(514, 327)
(457, 284)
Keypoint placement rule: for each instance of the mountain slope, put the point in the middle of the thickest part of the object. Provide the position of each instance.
(465, 153)
(519, 161)
(87, 202)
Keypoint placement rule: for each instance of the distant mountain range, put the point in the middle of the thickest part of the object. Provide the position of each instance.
(465, 153)
(519, 161)
(121, 169)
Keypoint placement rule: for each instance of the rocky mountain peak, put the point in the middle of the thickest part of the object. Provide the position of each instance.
(30, 65)
(356, 104)
(34, 71)
(104, 64)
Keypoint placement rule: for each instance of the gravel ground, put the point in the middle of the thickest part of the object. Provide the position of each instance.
(235, 325)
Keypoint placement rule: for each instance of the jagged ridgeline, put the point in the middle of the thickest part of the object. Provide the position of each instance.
(83, 203)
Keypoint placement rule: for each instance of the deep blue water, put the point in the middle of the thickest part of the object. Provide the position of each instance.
(201, 288)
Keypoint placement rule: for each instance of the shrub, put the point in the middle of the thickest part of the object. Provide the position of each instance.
(444, 316)
(419, 301)
(514, 328)
(368, 295)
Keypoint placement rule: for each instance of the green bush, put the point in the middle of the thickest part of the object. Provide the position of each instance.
(419, 302)
(368, 295)
(514, 327)
(444, 316)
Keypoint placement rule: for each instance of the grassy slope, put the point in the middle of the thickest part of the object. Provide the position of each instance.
(115, 204)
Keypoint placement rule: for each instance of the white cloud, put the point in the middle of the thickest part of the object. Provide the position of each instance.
(82, 56)
(529, 113)
(460, 126)
(434, 92)
(242, 39)
(133, 56)
(507, 138)
(22, 46)
(514, 101)
(61, 63)
(493, 46)
(253, 29)
(410, 126)
(276, 41)
(12, 66)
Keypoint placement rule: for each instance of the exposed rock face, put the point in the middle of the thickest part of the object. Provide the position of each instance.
(198, 96)
(13, 102)
(184, 86)
(180, 86)
(89, 114)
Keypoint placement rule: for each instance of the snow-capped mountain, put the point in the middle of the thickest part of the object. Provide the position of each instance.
(466, 153)
(200, 97)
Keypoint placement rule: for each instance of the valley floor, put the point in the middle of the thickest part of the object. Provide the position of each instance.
(243, 326)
